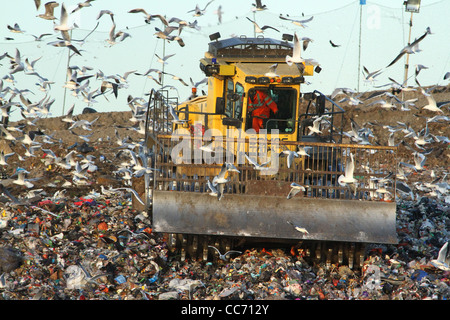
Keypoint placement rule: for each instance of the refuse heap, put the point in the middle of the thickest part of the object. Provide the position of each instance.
(99, 247)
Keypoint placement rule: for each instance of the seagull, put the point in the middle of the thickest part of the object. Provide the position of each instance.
(443, 260)
(49, 11)
(69, 115)
(419, 67)
(305, 42)
(175, 118)
(63, 21)
(16, 64)
(84, 124)
(302, 151)
(82, 5)
(272, 71)
(258, 6)
(334, 45)
(224, 256)
(15, 28)
(290, 156)
(214, 191)
(133, 192)
(21, 179)
(432, 105)
(256, 165)
(6, 134)
(231, 167)
(296, 55)
(198, 12)
(447, 75)
(419, 161)
(109, 12)
(347, 177)
(315, 128)
(300, 23)
(163, 60)
(295, 188)
(370, 76)
(4, 157)
(65, 43)
(220, 178)
(298, 228)
(259, 29)
(149, 17)
(410, 48)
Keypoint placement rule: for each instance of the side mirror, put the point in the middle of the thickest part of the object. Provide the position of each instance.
(220, 105)
(320, 104)
(309, 96)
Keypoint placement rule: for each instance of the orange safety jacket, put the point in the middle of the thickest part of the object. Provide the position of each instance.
(260, 107)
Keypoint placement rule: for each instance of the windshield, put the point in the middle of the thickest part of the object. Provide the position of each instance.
(271, 108)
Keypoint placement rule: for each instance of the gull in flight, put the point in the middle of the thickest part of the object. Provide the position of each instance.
(432, 105)
(443, 260)
(298, 228)
(300, 23)
(224, 256)
(199, 12)
(315, 128)
(256, 165)
(163, 59)
(347, 178)
(21, 179)
(49, 11)
(220, 178)
(175, 118)
(149, 17)
(258, 6)
(15, 28)
(295, 188)
(296, 55)
(370, 76)
(410, 48)
(259, 29)
(4, 157)
(419, 161)
(272, 71)
(302, 151)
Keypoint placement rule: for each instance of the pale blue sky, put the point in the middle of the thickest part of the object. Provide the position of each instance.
(384, 30)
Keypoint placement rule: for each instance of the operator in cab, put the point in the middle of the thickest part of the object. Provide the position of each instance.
(260, 104)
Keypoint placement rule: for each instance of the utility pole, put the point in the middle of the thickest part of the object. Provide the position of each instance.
(362, 2)
(405, 79)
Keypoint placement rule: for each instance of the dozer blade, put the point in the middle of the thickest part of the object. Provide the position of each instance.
(269, 217)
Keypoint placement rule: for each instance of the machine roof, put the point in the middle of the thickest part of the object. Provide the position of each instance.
(283, 69)
(250, 48)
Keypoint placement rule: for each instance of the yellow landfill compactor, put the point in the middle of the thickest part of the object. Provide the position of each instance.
(228, 176)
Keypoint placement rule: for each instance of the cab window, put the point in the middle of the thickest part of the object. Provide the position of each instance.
(229, 105)
(239, 102)
(234, 99)
(286, 100)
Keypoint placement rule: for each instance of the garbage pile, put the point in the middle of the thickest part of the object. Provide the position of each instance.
(99, 247)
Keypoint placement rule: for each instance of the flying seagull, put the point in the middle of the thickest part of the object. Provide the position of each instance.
(443, 260)
(295, 188)
(258, 6)
(298, 228)
(334, 45)
(259, 29)
(410, 48)
(300, 23)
